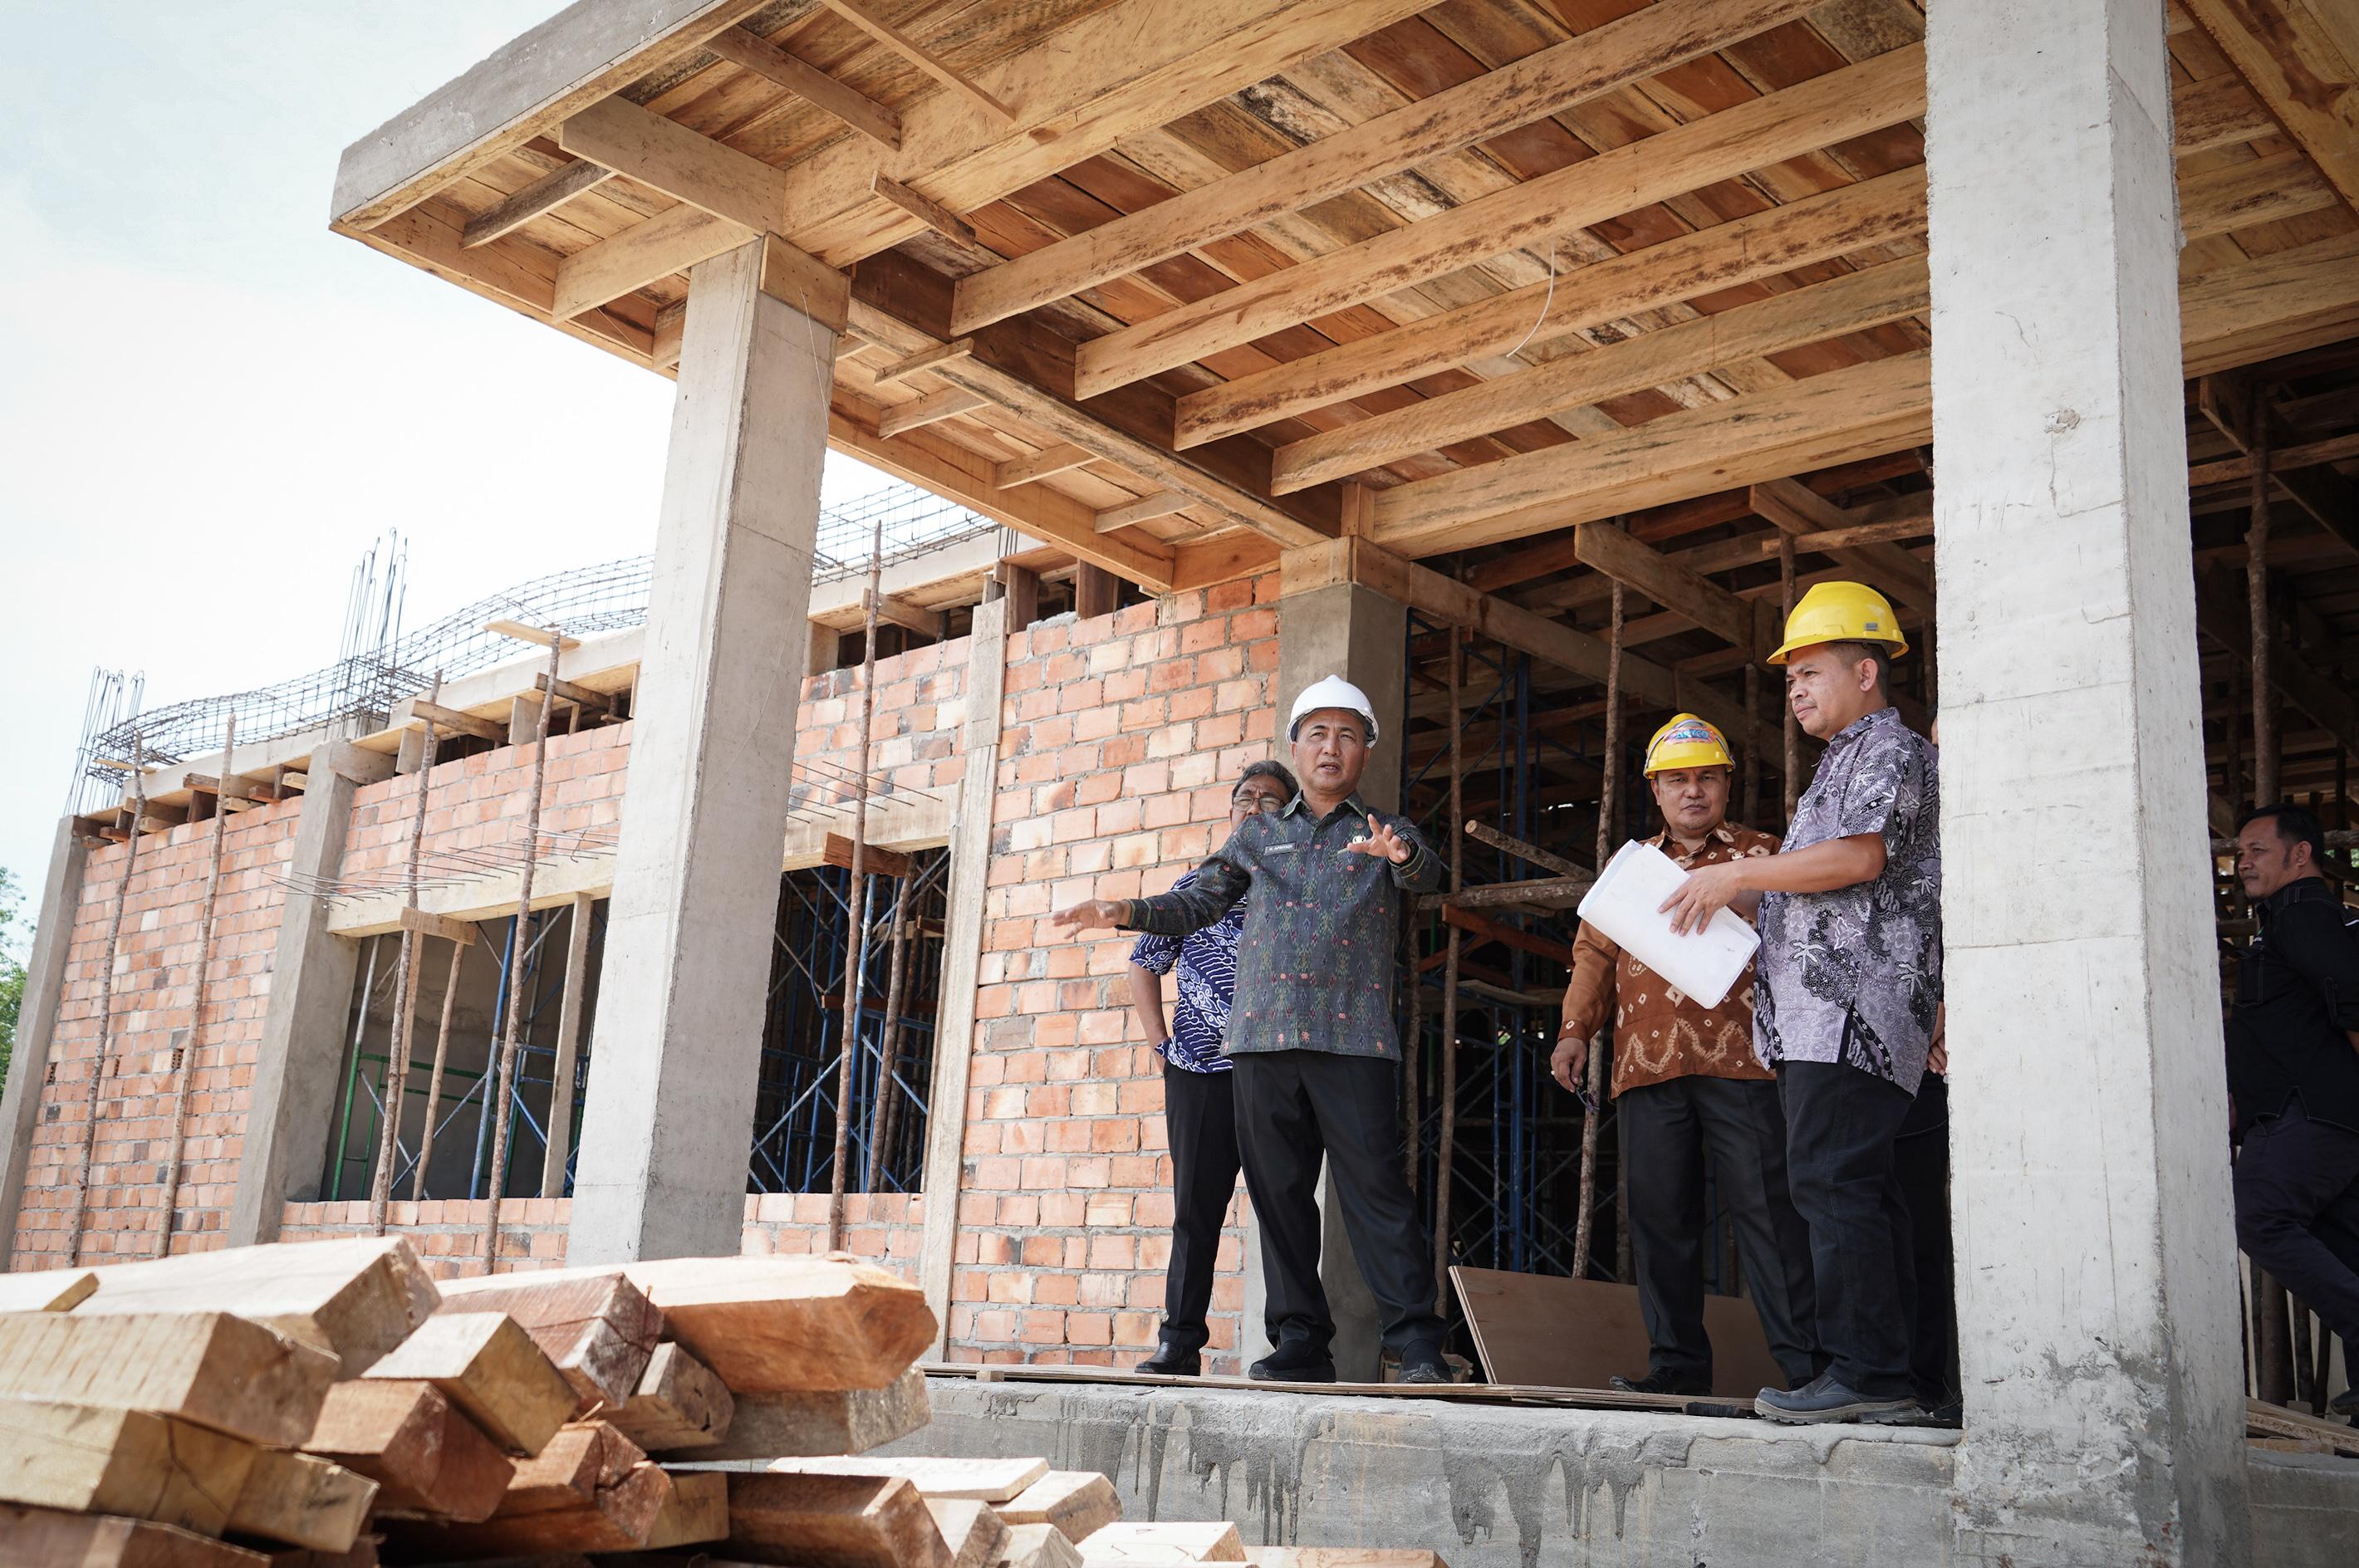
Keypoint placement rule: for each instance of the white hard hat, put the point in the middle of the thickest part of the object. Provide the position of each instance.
(1332, 691)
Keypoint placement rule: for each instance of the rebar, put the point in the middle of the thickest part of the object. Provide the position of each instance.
(855, 983)
(184, 1064)
(106, 993)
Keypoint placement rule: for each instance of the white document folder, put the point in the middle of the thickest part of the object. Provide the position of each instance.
(1626, 904)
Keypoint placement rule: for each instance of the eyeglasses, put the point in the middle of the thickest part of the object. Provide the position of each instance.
(1269, 805)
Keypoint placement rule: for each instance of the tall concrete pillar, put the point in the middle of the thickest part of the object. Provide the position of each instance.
(2097, 1304)
(37, 1019)
(1343, 629)
(666, 1126)
(291, 1109)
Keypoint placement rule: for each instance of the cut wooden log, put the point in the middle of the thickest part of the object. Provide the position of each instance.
(425, 1456)
(301, 1499)
(1079, 1503)
(46, 1289)
(679, 1404)
(777, 1325)
(993, 1481)
(46, 1537)
(93, 1460)
(697, 1510)
(486, 1365)
(1341, 1557)
(617, 1514)
(209, 1367)
(1166, 1540)
(1037, 1546)
(354, 1299)
(845, 1421)
(582, 1459)
(832, 1522)
(599, 1331)
(971, 1534)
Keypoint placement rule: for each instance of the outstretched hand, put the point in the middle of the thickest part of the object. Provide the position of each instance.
(1090, 914)
(1382, 840)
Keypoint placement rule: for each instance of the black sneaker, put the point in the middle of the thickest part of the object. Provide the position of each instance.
(1293, 1363)
(2345, 1403)
(1171, 1361)
(1421, 1362)
(1826, 1399)
(1660, 1382)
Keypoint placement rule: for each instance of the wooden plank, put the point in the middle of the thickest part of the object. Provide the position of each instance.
(678, 1404)
(1841, 104)
(2220, 112)
(438, 926)
(749, 51)
(46, 1289)
(1039, 1546)
(423, 1454)
(539, 636)
(978, 1480)
(826, 1421)
(971, 1533)
(1874, 211)
(600, 1331)
(1536, 1329)
(486, 1364)
(666, 156)
(2227, 470)
(1598, 62)
(925, 210)
(1613, 552)
(216, 1370)
(589, 1490)
(1062, 458)
(836, 850)
(672, 241)
(91, 1459)
(1850, 303)
(770, 1325)
(1165, 1541)
(544, 195)
(896, 611)
(2281, 1423)
(860, 16)
(1465, 920)
(1077, 1503)
(2301, 71)
(697, 1510)
(2258, 191)
(836, 1522)
(302, 1500)
(925, 359)
(945, 404)
(581, 696)
(353, 1298)
(417, 710)
(40, 1538)
(1162, 504)
(799, 278)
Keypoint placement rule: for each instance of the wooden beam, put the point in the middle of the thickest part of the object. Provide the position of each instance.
(2220, 111)
(2326, 495)
(2257, 190)
(932, 408)
(1798, 510)
(1849, 302)
(931, 213)
(750, 51)
(1062, 458)
(908, 617)
(442, 926)
(666, 156)
(672, 241)
(1161, 504)
(925, 359)
(537, 636)
(2222, 471)
(836, 850)
(2301, 67)
(2220, 615)
(580, 696)
(1875, 212)
(917, 54)
(671, 321)
(1834, 108)
(795, 277)
(548, 193)
(1614, 552)
(1598, 62)
(417, 710)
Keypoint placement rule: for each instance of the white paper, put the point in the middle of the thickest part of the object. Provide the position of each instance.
(1626, 904)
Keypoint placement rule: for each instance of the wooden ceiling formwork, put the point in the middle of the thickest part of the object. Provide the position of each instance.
(1572, 292)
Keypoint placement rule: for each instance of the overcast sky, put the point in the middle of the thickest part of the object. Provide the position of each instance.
(210, 406)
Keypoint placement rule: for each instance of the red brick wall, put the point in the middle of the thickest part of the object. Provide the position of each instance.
(1120, 739)
(476, 804)
(153, 1003)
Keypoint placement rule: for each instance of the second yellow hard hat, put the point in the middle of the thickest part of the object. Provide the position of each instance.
(1686, 742)
(1841, 612)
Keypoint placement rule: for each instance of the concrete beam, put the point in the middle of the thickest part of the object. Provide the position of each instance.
(2097, 1306)
(668, 1117)
(36, 1020)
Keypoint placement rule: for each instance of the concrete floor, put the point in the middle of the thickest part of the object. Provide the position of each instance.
(1492, 1487)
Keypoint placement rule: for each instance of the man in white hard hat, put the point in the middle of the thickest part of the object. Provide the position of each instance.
(1847, 990)
(1312, 1036)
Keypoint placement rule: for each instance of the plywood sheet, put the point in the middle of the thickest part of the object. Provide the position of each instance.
(1538, 1328)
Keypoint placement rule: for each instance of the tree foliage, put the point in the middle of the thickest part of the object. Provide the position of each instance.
(16, 938)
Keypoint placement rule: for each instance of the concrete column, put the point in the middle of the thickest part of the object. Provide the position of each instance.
(1340, 629)
(667, 1121)
(37, 1018)
(291, 1109)
(2097, 1304)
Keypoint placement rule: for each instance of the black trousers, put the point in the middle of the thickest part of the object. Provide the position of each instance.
(1293, 1109)
(1921, 1157)
(1839, 1126)
(2297, 1185)
(1199, 1115)
(1670, 1128)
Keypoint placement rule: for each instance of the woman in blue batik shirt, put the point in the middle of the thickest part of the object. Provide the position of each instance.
(1199, 1116)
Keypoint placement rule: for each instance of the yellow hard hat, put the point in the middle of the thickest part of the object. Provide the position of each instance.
(1841, 612)
(1686, 742)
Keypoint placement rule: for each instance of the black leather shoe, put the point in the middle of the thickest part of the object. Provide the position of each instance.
(1293, 1363)
(1171, 1361)
(1660, 1382)
(2345, 1403)
(1421, 1362)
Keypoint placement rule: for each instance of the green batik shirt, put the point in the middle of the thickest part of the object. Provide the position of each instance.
(1317, 963)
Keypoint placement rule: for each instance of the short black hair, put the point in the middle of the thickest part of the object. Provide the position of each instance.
(1276, 770)
(1854, 652)
(2295, 824)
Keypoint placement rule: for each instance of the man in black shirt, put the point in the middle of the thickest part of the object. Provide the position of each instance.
(2293, 1073)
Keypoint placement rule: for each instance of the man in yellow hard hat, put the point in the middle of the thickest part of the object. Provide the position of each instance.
(1847, 989)
(1685, 1084)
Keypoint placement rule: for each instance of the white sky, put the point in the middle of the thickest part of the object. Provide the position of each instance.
(210, 406)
